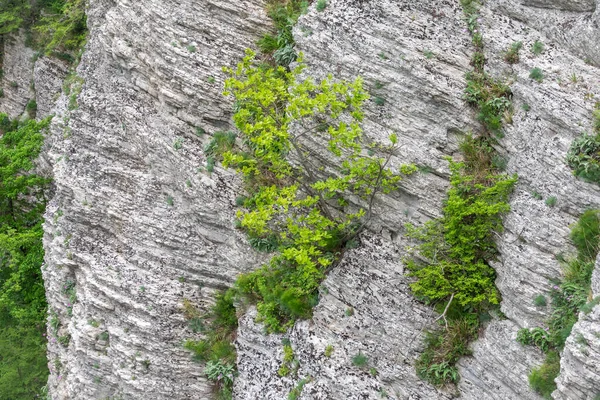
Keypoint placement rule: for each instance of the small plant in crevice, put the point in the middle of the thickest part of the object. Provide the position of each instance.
(329, 350)
(584, 154)
(490, 96)
(540, 301)
(178, 143)
(380, 101)
(551, 201)
(279, 46)
(428, 54)
(360, 360)
(216, 349)
(537, 48)
(289, 365)
(31, 108)
(511, 55)
(536, 74)
(569, 296)
(321, 5)
(297, 391)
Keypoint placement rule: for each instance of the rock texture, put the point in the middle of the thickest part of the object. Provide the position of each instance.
(16, 84)
(579, 369)
(137, 224)
(571, 23)
(388, 42)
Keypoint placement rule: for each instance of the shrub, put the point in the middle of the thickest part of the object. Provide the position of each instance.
(329, 350)
(455, 250)
(536, 74)
(584, 157)
(307, 230)
(321, 5)
(537, 48)
(542, 379)
(511, 55)
(360, 360)
(428, 54)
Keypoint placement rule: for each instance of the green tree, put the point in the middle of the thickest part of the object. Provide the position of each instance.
(22, 298)
(286, 126)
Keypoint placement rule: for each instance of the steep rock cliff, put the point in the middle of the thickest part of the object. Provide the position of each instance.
(137, 224)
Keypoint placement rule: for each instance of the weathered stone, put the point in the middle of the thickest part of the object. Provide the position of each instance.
(136, 221)
(17, 67)
(138, 224)
(579, 370)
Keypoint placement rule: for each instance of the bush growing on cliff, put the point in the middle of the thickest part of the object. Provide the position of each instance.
(294, 202)
(569, 296)
(584, 155)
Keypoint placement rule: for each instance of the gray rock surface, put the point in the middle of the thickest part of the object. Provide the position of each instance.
(579, 368)
(16, 84)
(136, 222)
(48, 77)
(571, 23)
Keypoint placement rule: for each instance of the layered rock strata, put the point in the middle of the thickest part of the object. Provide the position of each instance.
(137, 223)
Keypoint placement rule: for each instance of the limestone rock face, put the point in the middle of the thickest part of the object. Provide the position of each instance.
(579, 369)
(571, 23)
(16, 83)
(420, 53)
(48, 77)
(137, 224)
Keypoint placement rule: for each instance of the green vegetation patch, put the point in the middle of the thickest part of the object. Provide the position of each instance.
(450, 260)
(569, 296)
(584, 155)
(54, 27)
(23, 365)
(279, 46)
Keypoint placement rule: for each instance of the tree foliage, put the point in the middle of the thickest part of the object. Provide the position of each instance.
(455, 248)
(22, 298)
(286, 126)
(54, 26)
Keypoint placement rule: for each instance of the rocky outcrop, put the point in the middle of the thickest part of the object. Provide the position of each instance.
(137, 224)
(48, 77)
(420, 53)
(579, 370)
(571, 23)
(16, 85)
